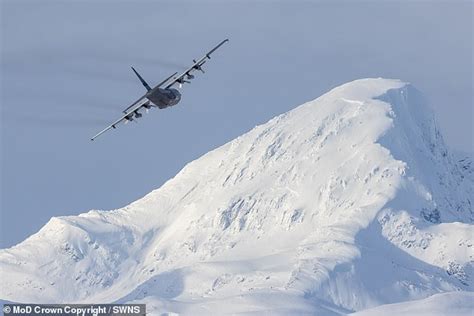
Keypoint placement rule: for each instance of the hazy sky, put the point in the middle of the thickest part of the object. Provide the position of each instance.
(65, 75)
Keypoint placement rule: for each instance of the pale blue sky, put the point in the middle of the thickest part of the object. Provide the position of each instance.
(66, 74)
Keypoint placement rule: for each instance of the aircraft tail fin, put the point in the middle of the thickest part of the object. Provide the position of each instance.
(142, 80)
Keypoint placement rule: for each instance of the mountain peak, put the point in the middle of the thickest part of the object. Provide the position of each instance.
(353, 192)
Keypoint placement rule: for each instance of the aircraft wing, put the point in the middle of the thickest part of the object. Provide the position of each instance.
(129, 112)
(182, 78)
(128, 115)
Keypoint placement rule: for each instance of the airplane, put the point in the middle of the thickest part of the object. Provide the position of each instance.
(160, 97)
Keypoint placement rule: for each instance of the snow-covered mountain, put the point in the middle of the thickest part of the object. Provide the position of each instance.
(345, 203)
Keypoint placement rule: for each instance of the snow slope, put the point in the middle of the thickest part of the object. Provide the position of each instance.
(345, 203)
(452, 303)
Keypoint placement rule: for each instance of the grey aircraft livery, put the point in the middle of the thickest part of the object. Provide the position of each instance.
(160, 97)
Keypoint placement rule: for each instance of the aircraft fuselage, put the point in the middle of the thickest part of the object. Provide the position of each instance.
(163, 98)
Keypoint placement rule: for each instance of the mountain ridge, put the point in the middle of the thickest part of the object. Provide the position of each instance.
(354, 192)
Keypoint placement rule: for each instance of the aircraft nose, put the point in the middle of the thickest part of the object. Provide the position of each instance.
(177, 95)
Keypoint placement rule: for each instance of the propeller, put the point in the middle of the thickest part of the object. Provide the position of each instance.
(181, 80)
(198, 67)
(129, 118)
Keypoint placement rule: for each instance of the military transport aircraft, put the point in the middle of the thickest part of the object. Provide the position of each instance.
(160, 97)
